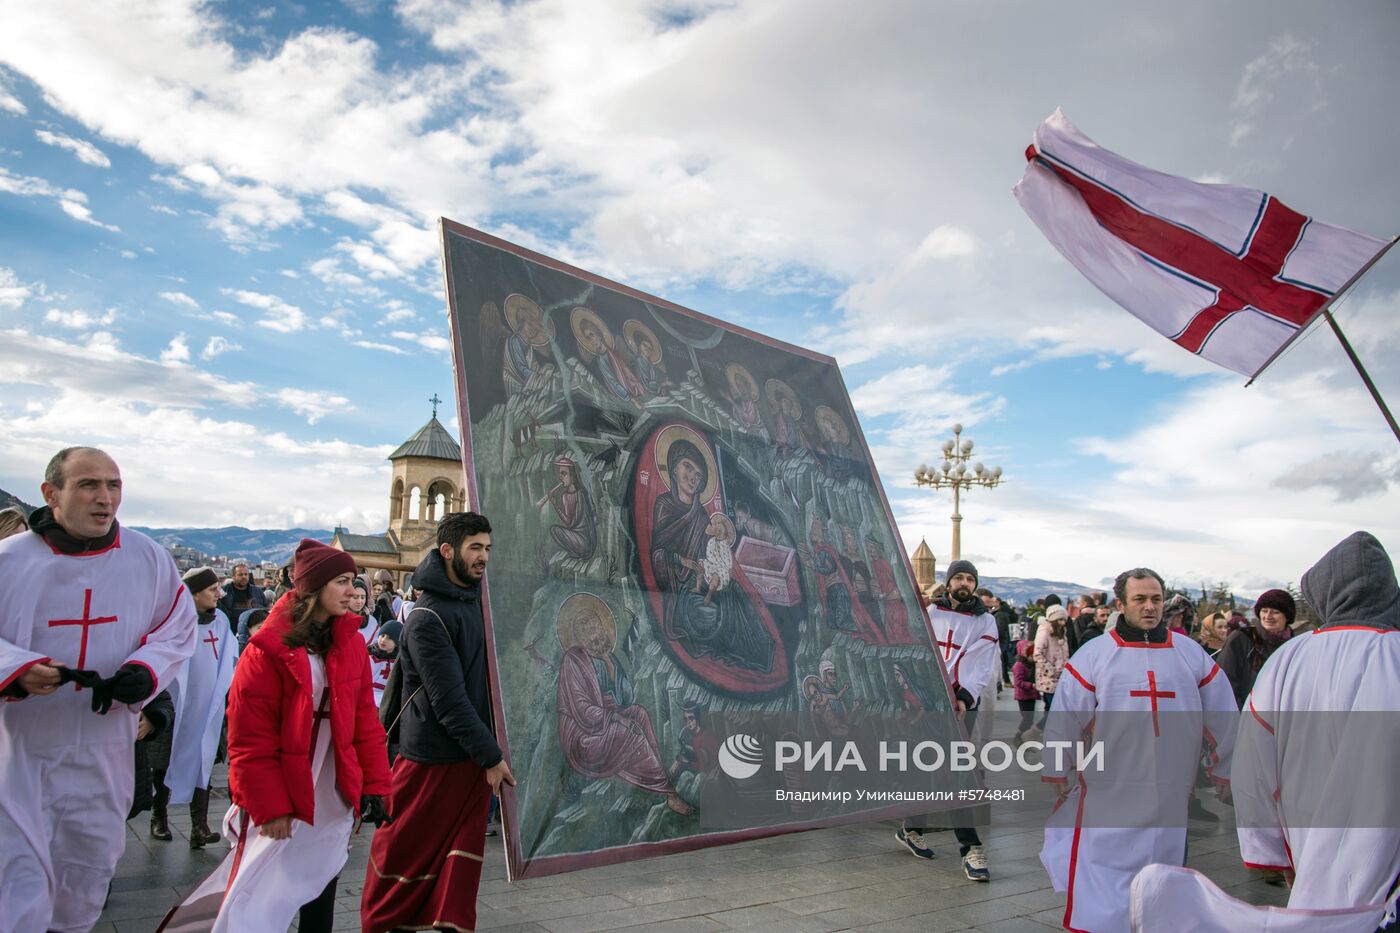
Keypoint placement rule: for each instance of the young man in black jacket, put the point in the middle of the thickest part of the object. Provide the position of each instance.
(425, 867)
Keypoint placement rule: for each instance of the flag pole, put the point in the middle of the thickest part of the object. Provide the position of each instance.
(1365, 376)
(1327, 310)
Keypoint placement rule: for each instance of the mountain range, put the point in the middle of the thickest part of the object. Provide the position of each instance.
(234, 541)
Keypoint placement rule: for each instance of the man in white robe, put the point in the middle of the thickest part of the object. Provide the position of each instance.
(81, 599)
(1149, 696)
(1319, 747)
(965, 637)
(200, 695)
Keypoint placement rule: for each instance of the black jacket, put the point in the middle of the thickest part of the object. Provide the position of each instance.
(450, 718)
(161, 712)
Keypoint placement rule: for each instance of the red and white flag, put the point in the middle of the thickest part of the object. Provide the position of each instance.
(1229, 273)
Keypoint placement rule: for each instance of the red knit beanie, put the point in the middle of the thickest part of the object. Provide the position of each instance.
(1280, 600)
(317, 564)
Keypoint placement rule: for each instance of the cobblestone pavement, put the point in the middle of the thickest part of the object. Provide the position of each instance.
(847, 878)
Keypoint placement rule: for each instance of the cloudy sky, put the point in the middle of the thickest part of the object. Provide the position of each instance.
(219, 259)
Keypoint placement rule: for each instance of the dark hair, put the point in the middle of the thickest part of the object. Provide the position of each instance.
(1120, 584)
(985, 593)
(255, 618)
(306, 631)
(53, 473)
(457, 526)
(1052, 600)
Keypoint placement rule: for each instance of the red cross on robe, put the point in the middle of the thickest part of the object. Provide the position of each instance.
(213, 642)
(948, 646)
(1152, 693)
(87, 621)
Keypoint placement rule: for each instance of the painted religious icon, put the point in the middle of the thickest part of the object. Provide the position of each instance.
(603, 730)
(647, 364)
(575, 529)
(688, 533)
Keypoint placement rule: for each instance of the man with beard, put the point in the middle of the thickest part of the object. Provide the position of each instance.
(424, 868)
(966, 637)
(1150, 696)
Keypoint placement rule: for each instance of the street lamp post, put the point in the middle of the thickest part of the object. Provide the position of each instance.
(954, 472)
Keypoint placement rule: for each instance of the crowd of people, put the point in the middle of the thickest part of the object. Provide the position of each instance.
(337, 701)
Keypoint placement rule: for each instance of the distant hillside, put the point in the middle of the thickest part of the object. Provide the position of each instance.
(7, 500)
(235, 541)
(1023, 590)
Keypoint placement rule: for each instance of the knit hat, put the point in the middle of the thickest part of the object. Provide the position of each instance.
(385, 577)
(961, 566)
(1280, 600)
(318, 564)
(360, 584)
(1055, 613)
(199, 579)
(393, 629)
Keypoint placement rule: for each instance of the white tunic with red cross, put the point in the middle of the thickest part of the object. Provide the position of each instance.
(1151, 706)
(967, 645)
(199, 695)
(1318, 759)
(66, 776)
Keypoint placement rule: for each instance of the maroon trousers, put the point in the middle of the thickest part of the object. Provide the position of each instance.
(425, 867)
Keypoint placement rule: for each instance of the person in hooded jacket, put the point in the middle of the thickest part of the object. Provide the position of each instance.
(1051, 654)
(424, 870)
(1319, 746)
(360, 606)
(306, 759)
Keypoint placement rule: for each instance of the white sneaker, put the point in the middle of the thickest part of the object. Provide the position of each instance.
(975, 865)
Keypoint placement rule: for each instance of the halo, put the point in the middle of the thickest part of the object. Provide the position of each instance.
(735, 369)
(729, 525)
(581, 314)
(774, 388)
(811, 679)
(674, 432)
(573, 609)
(516, 305)
(634, 329)
(825, 415)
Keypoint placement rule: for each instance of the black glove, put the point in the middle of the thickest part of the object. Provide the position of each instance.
(89, 679)
(372, 810)
(132, 683)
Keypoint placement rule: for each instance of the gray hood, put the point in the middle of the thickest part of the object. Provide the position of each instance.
(1354, 584)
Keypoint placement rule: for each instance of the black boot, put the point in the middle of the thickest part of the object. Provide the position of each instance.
(160, 823)
(200, 834)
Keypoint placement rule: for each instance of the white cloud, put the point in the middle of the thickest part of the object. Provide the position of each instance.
(180, 298)
(85, 151)
(1285, 69)
(279, 315)
(217, 346)
(225, 317)
(313, 405)
(70, 200)
(1351, 475)
(100, 368)
(178, 351)
(11, 103)
(13, 292)
(80, 320)
(398, 314)
(375, 345)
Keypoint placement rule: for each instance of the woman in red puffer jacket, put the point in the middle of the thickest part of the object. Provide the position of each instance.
(306, 756)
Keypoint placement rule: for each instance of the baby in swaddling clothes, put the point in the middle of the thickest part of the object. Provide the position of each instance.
(719, 560)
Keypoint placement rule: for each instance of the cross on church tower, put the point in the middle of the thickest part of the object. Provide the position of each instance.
(436, 402)
(1152, 693)
(87, 621)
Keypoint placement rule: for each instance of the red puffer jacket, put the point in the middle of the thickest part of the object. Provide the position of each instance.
(270, 717)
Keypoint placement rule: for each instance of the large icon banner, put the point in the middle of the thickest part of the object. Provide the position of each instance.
(689, 541)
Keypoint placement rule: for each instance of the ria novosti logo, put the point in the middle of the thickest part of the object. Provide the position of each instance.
(740, 756)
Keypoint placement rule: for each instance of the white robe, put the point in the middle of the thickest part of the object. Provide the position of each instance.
(379, 672)
(970, 657)
(1319, 730)
(199, 695)
(66, 779)
(1131, 814)
(262, 882)
(1165, 895)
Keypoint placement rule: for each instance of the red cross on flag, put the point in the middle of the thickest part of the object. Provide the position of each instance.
(1229, 273)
